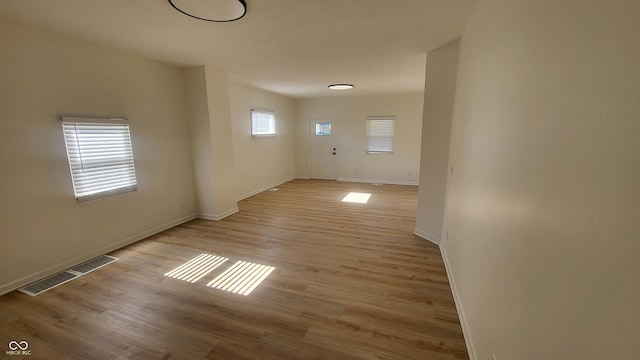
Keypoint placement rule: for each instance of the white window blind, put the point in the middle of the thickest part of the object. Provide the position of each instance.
(380, 135)
(100, 156)
(263, 123)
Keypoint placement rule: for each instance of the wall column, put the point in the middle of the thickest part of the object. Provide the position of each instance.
(439, 96)
(209, 114)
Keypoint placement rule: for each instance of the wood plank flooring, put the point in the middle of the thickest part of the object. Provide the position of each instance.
(351, 281)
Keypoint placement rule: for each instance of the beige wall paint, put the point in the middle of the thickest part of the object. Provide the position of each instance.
(209, 118)
(44, 76)
(195, 85)
(439, 96)
(542, 209)
(261, 162)
(351, 112)
(221, 143)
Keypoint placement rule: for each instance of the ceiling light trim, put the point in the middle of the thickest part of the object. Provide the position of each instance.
(242, 2)
(341, 86)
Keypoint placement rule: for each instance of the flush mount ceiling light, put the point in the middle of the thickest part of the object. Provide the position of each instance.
(341, 86)
(211, 10)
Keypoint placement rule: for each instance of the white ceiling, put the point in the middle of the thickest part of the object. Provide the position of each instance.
(292, 47)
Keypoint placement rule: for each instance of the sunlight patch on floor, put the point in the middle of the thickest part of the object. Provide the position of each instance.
(194, 269)
(242, 278)
(354, 197)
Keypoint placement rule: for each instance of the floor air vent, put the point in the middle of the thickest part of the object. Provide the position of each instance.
(43, 285)
(93, 264)
(58, 279)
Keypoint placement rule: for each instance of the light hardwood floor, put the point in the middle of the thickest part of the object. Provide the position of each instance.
(351, 281)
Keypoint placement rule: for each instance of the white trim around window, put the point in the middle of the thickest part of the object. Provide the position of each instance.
(100, 156)
(380, 132)
(263, 123)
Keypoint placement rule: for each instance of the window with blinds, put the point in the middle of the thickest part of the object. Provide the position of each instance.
(100, 157)
(380, 135)
(263, 123)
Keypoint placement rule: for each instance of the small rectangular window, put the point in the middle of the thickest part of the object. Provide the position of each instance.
(380, 131)
(263, 123)
(100, 156)
(323, 129)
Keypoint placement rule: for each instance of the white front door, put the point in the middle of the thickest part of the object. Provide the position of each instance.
(323, 135)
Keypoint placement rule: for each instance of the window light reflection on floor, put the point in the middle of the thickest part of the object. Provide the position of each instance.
(242, 278)
(194, 269)
(354, 197)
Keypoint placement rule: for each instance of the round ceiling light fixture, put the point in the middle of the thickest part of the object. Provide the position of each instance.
(211, 10)
(341, 86)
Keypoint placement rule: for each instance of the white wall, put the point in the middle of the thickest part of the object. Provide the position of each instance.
(261, 162)
(195, 85)
(439, 97)
(44, 76)
(351, 112)
(209, 119)
(221, 144)
(229, 163)
(543, 208)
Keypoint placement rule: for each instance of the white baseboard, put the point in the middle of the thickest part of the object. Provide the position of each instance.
(264, 188)
(217, 217)
(303, 177)
(456, 298)
(25, 280)
(370, 181)
(425, 235)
